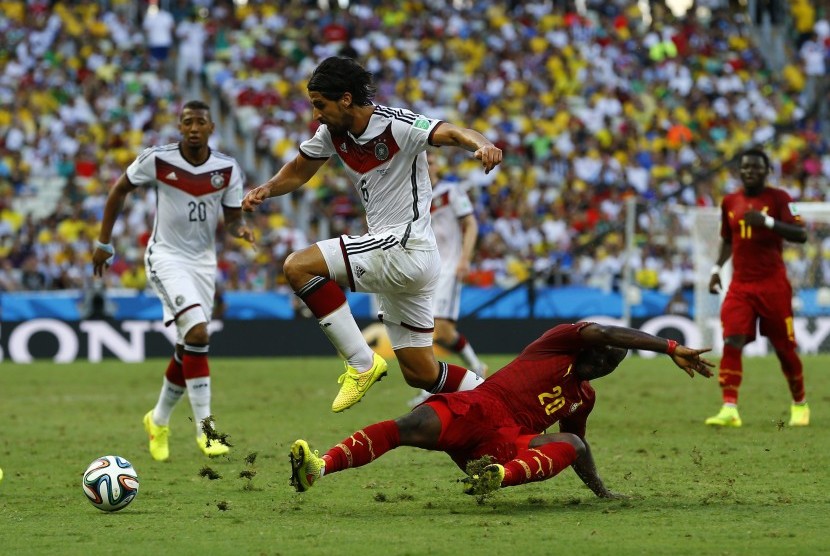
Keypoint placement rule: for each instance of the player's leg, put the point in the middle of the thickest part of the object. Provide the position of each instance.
(421, 428)
(157, 420)
(407, 313)
(777, 325)
(738, 320)
(196, 371)
(446, 309)
(448, 337)
(315, 274)
(539, 458)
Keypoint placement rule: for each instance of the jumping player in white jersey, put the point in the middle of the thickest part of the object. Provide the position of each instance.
(192, 183)
(383, 152)
(456, 230)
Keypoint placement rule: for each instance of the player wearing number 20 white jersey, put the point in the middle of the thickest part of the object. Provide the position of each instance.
(193, 184)
(189, 201)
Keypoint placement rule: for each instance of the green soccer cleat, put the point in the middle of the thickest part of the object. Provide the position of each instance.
(211, 448)
(726, 417)
(355, 384)
(158, 436)
(799, 415)
(489, 480)
(305, 466)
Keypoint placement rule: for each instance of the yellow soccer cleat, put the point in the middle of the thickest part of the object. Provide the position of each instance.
(799, 415)
(489, 480)
(1, 475)
(211, 448)
(355, 384)
(305, 466)
(727, 417)
(158, 435)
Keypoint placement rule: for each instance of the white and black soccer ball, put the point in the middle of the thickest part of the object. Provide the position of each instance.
(110, 483)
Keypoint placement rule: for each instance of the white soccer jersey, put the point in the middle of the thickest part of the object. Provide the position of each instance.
(449, 203)
(189, 199)
(388, 167)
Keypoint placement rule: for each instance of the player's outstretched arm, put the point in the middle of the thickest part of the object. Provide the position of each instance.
(449, 135)
(103, 254)
(289, 178)
(630, 338)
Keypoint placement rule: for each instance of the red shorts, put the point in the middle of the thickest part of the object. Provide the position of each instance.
(476, 426)
(770, 302)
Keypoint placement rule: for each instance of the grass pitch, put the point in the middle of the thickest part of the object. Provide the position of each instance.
(761, 489)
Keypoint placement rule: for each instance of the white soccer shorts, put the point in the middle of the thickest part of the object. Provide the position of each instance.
(403, 279)
(186, 292)
(447, 298)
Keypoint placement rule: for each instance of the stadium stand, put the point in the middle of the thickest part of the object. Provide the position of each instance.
(591, 107)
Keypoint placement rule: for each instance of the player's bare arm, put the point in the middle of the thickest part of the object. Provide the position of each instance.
(684, 357)
(236, 225)
(449, 135)
(469, 234)
(289, 178)
(586, 470)
(796, 233)
(102, 256)
(715, 285)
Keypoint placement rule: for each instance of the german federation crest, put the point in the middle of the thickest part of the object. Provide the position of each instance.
(217, 181)
(381, 151)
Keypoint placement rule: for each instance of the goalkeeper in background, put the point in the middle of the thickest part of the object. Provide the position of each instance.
(754, 223)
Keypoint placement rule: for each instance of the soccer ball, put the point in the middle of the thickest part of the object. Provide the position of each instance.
(110, 483)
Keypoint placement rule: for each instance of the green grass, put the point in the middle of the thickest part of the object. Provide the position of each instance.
(694, 490)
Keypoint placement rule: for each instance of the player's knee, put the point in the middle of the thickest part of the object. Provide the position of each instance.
(736, 342)
(293, 270)
(198, 335)
(420, 428)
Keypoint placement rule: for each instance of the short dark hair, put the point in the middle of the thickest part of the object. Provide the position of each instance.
(755, 152)
(339, 74)
(196, 105)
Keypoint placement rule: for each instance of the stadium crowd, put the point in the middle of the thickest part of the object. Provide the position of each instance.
(589, 107)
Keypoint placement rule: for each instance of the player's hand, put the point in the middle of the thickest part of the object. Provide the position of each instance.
(244, 232)
(100, 260)
(611, 495)
(754, 218)
(690, 361)
(490, 157)
(715, 285)
(255, 197)
(462, 270)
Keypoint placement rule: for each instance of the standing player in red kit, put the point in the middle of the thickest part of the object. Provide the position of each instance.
(754, 223)
(193, 185)
(506, 416)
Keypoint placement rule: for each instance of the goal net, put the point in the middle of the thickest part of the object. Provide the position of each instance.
(808, 267)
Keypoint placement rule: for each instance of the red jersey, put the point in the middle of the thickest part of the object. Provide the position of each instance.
(756, 250)
(539, 388)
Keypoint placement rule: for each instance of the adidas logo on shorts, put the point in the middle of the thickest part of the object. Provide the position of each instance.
(359, 270)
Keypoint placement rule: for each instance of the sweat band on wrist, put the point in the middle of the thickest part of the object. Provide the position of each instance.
(107, 247)
(716, 269)
(769, 221)
(672, 345)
